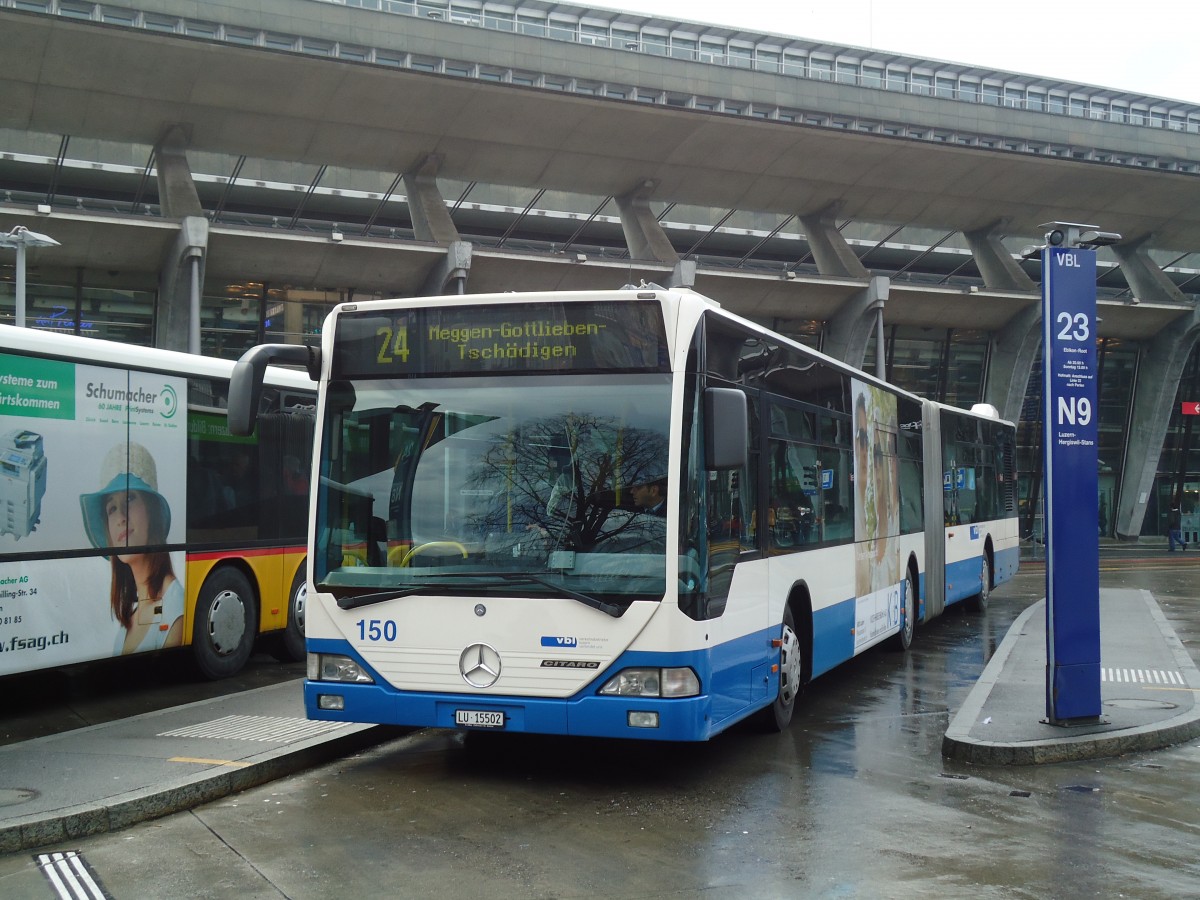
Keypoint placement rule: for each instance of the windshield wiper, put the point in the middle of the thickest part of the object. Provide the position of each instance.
(585, 599)
(354, 602)
(515, 577)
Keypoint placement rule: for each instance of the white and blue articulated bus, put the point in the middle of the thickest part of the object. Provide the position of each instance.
(622, 513)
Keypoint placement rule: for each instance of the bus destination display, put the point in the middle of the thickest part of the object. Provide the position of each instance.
(459, 340)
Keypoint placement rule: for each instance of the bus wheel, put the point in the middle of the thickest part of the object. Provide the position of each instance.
(908, 614)
(980, 601)
(225, 624)
(778, 715)
(293, 635)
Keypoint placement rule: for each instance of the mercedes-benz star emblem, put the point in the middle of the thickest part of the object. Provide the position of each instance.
(479, 665)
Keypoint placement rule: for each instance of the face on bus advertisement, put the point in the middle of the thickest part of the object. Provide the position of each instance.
(91, 459)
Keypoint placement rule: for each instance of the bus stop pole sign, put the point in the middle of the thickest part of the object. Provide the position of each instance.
(1070, 464)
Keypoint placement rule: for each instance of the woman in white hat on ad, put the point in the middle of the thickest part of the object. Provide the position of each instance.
(128, 511)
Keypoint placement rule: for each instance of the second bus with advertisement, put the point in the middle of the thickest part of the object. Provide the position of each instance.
(131, 520)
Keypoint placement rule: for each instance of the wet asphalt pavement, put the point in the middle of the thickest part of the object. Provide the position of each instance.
(855, 800)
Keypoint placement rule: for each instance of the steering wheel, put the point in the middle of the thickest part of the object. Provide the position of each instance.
(433, 545)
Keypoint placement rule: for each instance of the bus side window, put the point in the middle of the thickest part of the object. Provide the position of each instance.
(839, 516)
(223, 492)
(790, 515)
(207, 494)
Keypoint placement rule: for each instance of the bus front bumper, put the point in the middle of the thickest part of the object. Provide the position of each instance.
(675, 719)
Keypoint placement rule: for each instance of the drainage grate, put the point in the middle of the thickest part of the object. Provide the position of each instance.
(71, 876)
(256, 728)
(1142, 676)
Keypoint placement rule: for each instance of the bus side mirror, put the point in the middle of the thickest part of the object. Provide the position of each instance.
(725, 429)
(246, 382)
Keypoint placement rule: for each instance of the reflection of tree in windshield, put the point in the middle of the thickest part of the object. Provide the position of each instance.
(564, 475)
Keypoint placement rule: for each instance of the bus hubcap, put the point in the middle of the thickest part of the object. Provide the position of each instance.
(789, 666)
(909, 610)
(298, 602)
(226, 622)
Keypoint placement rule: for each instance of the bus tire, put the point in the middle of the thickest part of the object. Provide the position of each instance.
(908, 615)
(293, 634)
(225, 624)
(778, 715)
(288, 645)
(980, 601)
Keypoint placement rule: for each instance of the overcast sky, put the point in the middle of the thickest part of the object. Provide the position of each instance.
(1146, 47)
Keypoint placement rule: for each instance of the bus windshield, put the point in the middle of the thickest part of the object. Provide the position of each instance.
(526, 485)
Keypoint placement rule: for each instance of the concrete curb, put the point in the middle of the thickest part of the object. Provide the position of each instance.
(959, 745)
(957, 742)
(1072, 749)
(140, 806)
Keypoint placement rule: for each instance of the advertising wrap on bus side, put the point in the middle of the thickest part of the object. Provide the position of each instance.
(74, 438)
(132, 520)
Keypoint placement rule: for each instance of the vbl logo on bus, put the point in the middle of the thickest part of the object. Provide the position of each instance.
(555, 641)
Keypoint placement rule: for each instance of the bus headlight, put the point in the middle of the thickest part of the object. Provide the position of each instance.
(677, 682)
(328, 667)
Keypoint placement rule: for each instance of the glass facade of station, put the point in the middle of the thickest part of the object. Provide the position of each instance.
(950, 365)
(947, 365)
(229, 323)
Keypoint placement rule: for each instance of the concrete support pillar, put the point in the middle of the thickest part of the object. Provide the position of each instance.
(1145, 278)
(848, 332)
(181, 286)
(1159, 370)
(176, 190)
(431, 222)
(293, 320)
(181, 274)
(430, 217)
(829, 249)
(1000, 272)
(644, 236)
(1010, 361)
